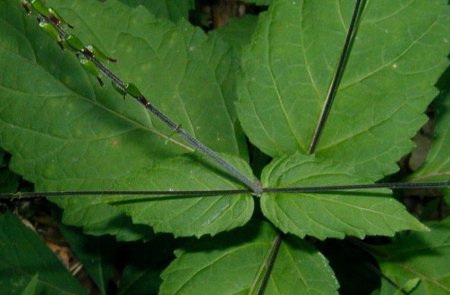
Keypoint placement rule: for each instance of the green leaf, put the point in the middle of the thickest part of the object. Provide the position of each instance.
(238, 31)
(9, 182)
(350, 264)
(333, 214)
(171, 9)
(96, 254)
(259, 2)
(182, 71)
(22, 255)
(409, 286)
(139, 281)
(99, 219)
(67, 133)
(30, 289)
(190, 215)
(186, 216)
(437, 164)
(144, 265)
(235, 262)
(399, 52)
(418, 255)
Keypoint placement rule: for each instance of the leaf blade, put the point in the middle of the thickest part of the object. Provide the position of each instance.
(291, 72)
(437, 163)
(418, 255)
(173, 10)
(190, 215)
(96, 254)
(75, 135)
(23, 254)
(247, 251)
(333, 214)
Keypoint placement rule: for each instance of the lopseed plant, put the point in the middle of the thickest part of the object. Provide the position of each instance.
(96, 67)
(90, 58)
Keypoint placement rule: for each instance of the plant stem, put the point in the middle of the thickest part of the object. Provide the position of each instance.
(204, 193)
(271, 262)
(254, 185)
(332, 90)
(357, 12)
(347, 187)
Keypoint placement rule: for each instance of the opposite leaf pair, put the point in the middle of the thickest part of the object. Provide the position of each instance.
(286, 55)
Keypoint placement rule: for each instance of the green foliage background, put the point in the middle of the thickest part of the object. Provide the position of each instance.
(265, 77)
